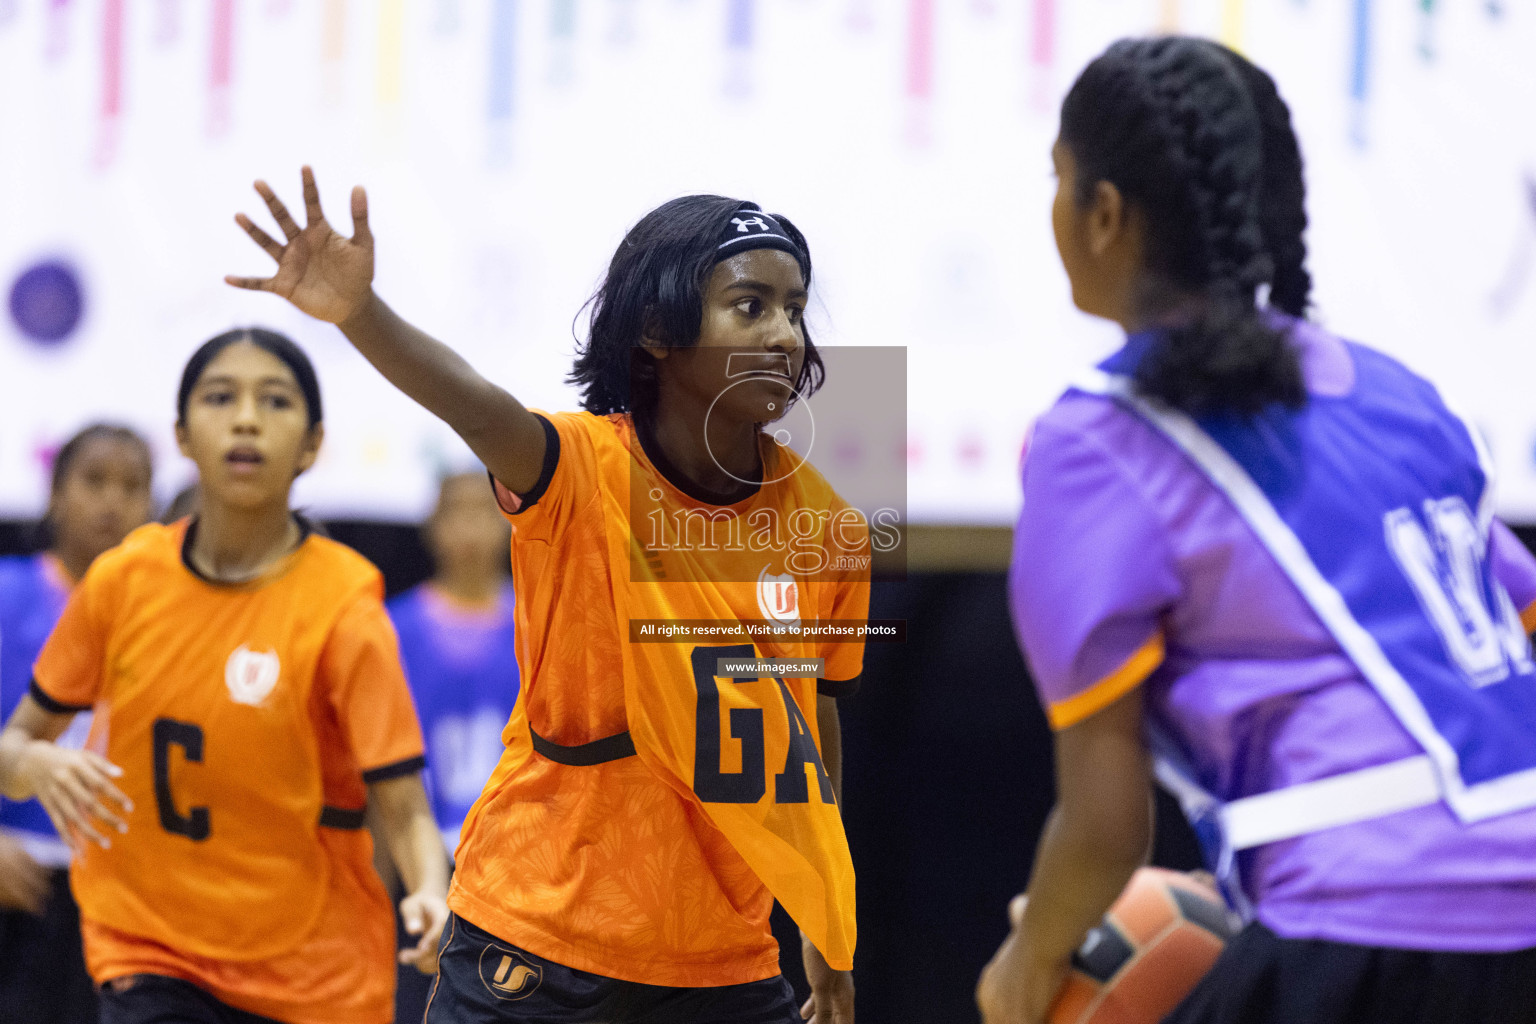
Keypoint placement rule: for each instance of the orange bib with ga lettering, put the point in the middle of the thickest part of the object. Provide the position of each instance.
(745, 749)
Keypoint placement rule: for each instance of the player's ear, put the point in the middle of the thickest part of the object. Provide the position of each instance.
(182, 439)
(1108, 218)
(651, 335)
(309, 448)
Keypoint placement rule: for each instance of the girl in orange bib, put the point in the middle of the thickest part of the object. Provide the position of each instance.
(654, 798)
(249, 703)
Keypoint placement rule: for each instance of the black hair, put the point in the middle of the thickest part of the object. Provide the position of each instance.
(279, 345)
(655, 286)
(71, 449)
(1283, 196)
(1199, 141)
(44, 534)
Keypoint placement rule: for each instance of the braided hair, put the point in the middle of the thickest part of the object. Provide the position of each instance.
(1200, 142)
(1282, 201)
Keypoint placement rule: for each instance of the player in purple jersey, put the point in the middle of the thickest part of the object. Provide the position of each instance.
(100, 492)
(456, 634)
(456, 642)
(1264, 558)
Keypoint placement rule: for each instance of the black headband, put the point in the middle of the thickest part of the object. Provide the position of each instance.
(751, 228)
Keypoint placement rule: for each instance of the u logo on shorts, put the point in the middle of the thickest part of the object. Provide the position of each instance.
(508, 974)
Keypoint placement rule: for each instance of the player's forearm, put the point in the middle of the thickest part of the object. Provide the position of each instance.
(415, 845)
(506, 436)
(830, 728)
(1078, 873)
(1098, 834)
(423, 861)
(30, 725)
(14, 785)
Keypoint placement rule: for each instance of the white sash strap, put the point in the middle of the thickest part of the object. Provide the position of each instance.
(1327, 803)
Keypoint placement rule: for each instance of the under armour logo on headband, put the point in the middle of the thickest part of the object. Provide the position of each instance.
(751, 228)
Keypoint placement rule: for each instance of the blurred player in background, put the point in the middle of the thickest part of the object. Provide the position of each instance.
(100, 491)
(456, 634)
(1268, 555)
(249, 703)
(456, 643)
(623, 860)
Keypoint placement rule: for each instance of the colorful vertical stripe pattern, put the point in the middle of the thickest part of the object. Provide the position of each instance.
(167, 22)
(502, 80)
(738, 24)
(1232, 24)
(920, 49)
(503, 39)
(562, 19)
(58, 29)
(739, 18)
(391, 50)
(860, 18)
(221, 62)
(1360, 70)
(333, 46)
(111, 79)
(1042, 50)
(562, 41)
(1168, 16)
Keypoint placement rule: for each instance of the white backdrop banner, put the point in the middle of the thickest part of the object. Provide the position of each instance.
(508, 144)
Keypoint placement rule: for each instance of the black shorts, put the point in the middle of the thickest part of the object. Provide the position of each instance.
(1264, 979)
(482, 979)
(155, 999)
(42, 968)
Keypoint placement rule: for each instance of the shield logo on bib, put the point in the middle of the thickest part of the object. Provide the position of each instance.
(251, 675)
(778, 598)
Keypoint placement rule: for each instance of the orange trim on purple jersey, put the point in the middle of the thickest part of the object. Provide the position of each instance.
(1111, 688)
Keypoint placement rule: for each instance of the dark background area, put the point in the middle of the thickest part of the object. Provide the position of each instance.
(947, 780)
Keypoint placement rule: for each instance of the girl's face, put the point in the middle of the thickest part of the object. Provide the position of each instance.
(1100, 243)
(467, 531)
(247, 428)
(751, 338)
(1067, 223)
(103, 495)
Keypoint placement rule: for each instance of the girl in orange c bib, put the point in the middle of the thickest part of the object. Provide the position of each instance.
(249, 703)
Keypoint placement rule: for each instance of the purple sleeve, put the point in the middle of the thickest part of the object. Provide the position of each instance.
(1513, 566)
(1092, 574)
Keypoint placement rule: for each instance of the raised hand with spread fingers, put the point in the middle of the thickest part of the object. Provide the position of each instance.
(330, 277)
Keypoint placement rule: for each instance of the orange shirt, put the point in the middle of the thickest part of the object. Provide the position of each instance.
(619, 868)
(247, 720)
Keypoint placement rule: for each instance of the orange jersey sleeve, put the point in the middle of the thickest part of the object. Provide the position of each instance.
(367, 691)
(566, 483)
(69, 669)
